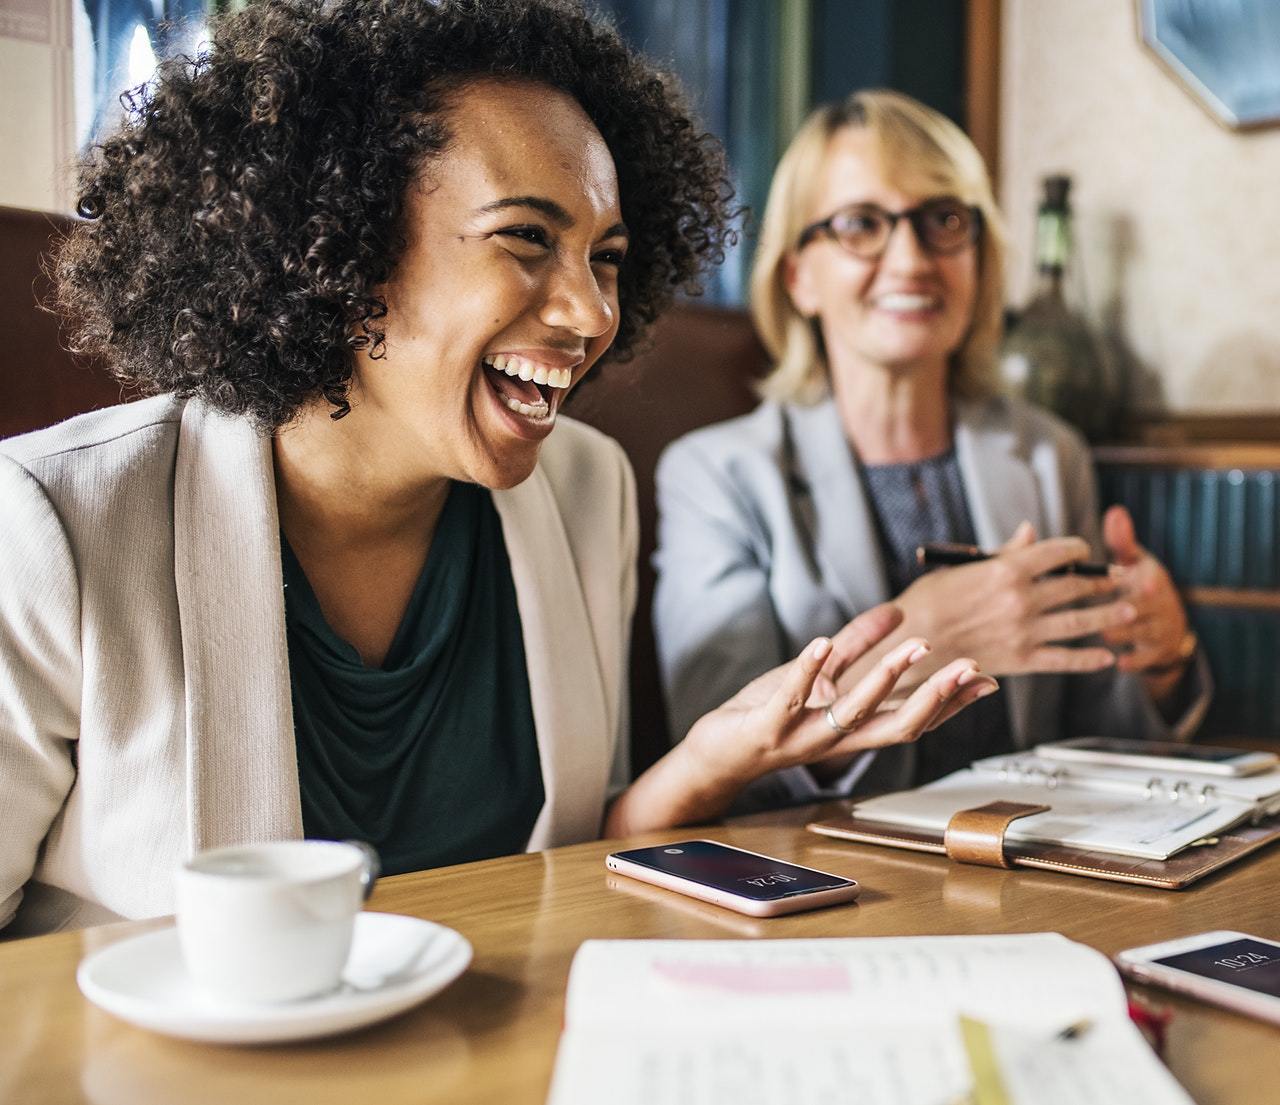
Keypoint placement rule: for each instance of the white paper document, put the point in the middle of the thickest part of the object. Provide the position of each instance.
(865, 1021)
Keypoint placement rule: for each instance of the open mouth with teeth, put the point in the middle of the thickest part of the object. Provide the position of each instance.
(527, 388)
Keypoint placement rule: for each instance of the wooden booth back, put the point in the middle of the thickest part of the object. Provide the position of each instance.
(698, 369)
(1211, 513)
(40, 382)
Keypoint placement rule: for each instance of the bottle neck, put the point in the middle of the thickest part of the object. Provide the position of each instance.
(1053, 248)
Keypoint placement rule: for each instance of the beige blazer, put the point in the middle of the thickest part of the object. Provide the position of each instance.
(766, 539)
(144, 686)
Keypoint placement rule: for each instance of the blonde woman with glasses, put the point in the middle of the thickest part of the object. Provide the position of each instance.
(877, 289)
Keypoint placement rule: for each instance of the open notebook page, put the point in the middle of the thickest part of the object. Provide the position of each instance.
(830, 1021)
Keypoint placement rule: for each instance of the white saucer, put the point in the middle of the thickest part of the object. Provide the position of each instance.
(395, 962)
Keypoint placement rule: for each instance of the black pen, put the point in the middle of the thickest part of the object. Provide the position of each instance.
(941, 554)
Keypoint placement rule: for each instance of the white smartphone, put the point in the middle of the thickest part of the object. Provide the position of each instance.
(1231, 969)
(748, 882)
(1198, 759)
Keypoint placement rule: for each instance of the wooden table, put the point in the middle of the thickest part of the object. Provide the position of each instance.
(491, 1037)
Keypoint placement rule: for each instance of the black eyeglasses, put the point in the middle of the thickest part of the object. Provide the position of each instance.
(941, 226)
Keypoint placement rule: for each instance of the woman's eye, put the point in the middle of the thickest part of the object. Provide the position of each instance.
(857, 223)
(613, 257)
(864, 224)
(534, 235)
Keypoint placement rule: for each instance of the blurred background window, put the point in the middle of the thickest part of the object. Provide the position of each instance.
(754, 69)
(122, 41)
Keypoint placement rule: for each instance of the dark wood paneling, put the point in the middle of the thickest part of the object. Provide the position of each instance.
(699, 369)
(1226, 454)
(1234, 597)
(1202, 429)
(982, 80)
(40, 382)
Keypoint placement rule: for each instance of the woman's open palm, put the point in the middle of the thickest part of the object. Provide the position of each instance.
(792, 715)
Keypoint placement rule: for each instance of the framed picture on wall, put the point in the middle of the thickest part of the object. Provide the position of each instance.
(1227, 55)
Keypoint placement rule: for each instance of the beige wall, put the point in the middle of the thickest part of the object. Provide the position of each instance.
(37, 125)
(1178, 224)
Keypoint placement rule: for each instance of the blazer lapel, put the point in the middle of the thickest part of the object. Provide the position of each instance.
(568, 698)
(242, 776)
(830, 503)
(998, 479)
(1002, 491)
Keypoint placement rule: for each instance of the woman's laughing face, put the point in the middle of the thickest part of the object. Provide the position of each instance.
(507, 292)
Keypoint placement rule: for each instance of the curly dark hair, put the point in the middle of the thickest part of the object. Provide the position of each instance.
(244, 214)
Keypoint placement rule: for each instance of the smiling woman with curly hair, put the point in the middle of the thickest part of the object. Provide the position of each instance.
(338, 577)
(254, 205)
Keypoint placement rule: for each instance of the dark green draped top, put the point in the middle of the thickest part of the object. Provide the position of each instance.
(433, 757)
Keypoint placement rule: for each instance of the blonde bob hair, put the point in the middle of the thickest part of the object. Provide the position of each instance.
(923, 151)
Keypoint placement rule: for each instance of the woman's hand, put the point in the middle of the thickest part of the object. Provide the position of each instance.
(1154, 643)
(1011, 616)
(781, 720)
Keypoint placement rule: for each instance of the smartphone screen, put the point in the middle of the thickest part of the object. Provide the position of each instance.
(735, 872)
(1164, 749)
(1251, 964)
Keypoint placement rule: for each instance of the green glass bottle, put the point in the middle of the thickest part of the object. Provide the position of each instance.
(1050, 355)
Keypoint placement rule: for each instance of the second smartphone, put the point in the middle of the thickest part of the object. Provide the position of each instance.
(1194, 758)
(747, 882)
(1232, 969)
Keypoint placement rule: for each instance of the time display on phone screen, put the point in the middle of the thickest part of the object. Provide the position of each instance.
(773, 878)
(1250, 964)
(731, 870)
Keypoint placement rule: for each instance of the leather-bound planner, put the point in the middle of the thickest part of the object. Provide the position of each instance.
(1109, 823)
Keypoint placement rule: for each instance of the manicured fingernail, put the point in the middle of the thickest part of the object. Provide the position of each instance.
(919, 653)
(989, 689)
(967, 676)
(821, 647)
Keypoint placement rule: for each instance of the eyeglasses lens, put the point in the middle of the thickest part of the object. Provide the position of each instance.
(941, 226)
(944, 226)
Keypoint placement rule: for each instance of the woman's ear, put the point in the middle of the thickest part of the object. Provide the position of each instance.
(799, 280)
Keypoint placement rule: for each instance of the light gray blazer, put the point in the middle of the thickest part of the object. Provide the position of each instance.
(144, 686)
(766, 540)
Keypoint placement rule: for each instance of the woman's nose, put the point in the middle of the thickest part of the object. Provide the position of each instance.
(576, 302)
(903, 249)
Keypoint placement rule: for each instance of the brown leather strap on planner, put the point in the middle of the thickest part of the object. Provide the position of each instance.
(977, 835)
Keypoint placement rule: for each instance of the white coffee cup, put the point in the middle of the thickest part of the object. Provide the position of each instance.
(272, 922)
